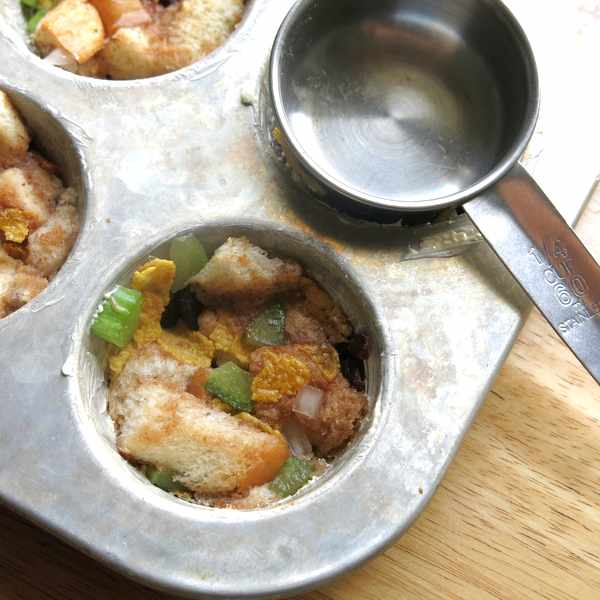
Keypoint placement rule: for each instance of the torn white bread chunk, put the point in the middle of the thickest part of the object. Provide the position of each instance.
(240, 271)
(29, 190)
(49, 245)
(203, 25)
(14, 139)
(148, 363)
(19, 284)
(209, 450)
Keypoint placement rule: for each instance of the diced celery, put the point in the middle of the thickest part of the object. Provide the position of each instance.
(189, 257)
(126, 302)
(163, 479)
(232, 385)
(110, 329)
(294, 474)
(118, 316)
(33, 22)
(268, 328)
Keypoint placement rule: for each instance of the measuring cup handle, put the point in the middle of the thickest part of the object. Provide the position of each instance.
(547, 259)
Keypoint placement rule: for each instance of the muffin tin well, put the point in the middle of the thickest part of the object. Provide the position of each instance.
(51, 138)
(324, 266)
(13, 28)
(192, 151)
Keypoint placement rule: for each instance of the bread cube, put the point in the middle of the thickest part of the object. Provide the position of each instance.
(94, 67)
(112, 11)
(240, 271)
(137, 52)
(203, 25)
(40, 174)
(74, 26)
(27, 284)
(49, 245)
(211, 451)
(18, 284)
(149, 363)
(14, 139)
(129, 54)
(8, 268)
(17, 192)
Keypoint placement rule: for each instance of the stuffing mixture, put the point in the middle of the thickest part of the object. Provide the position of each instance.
(38, 216)
(129, 39)
(232, 380)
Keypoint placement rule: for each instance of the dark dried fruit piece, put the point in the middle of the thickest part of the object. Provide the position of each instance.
(354, 371)
(183, 306)
(352, 355)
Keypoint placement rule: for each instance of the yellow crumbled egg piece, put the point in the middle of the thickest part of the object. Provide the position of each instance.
(252, 420)
(285, 371)
(14, 224)
(230, 346)
(149, 328)
(281, 375)
(118, 360)
(156, 277)
(323, 356)
(190, 347)
(278, 135)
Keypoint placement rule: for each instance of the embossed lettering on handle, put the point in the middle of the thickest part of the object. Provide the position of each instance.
(547, 259)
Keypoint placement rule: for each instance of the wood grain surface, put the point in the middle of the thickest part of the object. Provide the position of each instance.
(516, 518)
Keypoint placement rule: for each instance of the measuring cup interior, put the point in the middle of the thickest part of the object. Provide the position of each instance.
(407, 104)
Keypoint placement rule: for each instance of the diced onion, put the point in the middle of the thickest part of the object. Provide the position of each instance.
(60, 58)
(308, 401)
(297, 439)
(133, 19)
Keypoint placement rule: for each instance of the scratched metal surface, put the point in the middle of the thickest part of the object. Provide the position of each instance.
(183, 152)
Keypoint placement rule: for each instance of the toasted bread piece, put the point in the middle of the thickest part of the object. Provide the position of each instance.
(8, 269)
(312, 312)
(130, 54)
(27, 284)
(149, 363)
(138, 52)
(211, 451)
(41, 174)
(94, 67)
(239, 271)
(49, 245)
(340, 416)
(302, 328)
(203, 25)
(30, 190)
(74, 26)
(18, 284)
(14, 139)
(112, 11)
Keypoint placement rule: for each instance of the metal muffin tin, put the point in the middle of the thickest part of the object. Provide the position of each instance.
(192, 151)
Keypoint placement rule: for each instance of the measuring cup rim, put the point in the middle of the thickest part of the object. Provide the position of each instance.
(501, 168)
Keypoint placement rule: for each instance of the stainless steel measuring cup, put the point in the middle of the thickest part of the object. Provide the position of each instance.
(409, 106)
